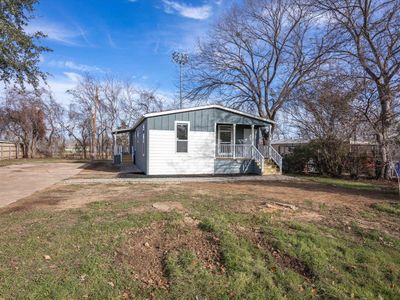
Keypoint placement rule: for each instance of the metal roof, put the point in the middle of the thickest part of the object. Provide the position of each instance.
(174, 111)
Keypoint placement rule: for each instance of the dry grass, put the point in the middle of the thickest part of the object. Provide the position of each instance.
(204, 240)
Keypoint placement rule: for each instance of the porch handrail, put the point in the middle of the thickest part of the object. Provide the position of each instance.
(270, 153)
(258, 157)
(241, 151)
(276, 157)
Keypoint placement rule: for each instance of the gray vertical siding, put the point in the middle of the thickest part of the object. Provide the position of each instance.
(201, 120)
(235, 166)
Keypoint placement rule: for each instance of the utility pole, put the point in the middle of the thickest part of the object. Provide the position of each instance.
(181, 59)
(94, 136)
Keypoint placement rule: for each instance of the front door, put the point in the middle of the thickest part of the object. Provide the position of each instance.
(225, 139)
(247, 136)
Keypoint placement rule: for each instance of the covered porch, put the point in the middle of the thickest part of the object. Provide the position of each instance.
(245, 142)
(237, 141)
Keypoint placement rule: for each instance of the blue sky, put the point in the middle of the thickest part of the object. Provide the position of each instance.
(132, 39)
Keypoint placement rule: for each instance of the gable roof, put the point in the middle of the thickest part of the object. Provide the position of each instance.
(174, 111)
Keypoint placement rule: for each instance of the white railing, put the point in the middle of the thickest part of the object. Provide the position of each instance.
(234, 151)
(241, 151)
(225, 151)
(270, 153)
(258, 157)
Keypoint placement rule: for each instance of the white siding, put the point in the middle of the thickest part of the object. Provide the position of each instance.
(164, 160)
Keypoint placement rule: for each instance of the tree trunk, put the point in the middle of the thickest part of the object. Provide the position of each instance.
(385, 97)
(384, 171)
(25, 150)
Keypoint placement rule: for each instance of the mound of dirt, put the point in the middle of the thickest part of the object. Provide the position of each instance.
(147, 249)
(168, 206)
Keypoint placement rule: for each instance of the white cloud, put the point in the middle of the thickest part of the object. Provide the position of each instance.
(193, 12)
(54, 32)
(68, 64)
(73, 77)
(60, 33)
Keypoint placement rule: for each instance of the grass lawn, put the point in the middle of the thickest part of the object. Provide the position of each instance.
(368, 185)
(201, 241)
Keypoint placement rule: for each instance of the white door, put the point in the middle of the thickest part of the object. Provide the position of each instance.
(225, 139)
(247, 136)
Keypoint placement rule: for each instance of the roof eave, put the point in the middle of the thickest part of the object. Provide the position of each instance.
(156, 114)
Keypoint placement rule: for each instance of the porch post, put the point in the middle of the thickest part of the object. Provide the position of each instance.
(252, 135)
(234, 141)
(269, 141)
(115, 143)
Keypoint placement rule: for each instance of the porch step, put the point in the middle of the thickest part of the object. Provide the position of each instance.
(126, 160)
(270, 168)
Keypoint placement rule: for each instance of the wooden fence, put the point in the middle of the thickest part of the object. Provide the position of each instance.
(10, 151)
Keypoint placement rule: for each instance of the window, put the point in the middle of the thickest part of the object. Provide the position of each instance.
(225, 134)
(182, 131)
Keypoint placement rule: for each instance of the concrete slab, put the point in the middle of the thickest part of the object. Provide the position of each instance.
(19, 181)
(175, 179)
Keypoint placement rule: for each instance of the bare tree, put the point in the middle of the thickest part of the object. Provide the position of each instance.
(257, 55)
(324, 113)
(23, 119)
(82, 115)
(367, 36)
(54, 140)
(324, 108)
(139, 101)
(78, 126)
(87, 100)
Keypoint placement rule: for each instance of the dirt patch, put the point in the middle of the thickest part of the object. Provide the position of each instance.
(148, 248)
(280, 211)
(98, 169)
(168, 206)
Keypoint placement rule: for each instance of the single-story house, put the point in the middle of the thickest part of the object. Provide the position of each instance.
(210, 139)
(287, 146)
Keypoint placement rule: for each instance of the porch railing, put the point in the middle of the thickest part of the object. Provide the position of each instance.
(270, 153)
(234, 151)
(241, 151)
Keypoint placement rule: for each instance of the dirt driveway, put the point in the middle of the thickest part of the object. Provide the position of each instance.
(19, 181)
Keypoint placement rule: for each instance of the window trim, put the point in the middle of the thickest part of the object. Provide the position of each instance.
(176, 136)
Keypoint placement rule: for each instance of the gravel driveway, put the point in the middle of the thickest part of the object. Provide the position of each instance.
(19, 181)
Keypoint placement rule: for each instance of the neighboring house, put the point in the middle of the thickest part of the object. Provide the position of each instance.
(356, 149)
(285, 147)
(203, 140)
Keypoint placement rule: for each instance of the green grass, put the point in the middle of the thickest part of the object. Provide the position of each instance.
(351, 184)
(390, 208)
(83, 244)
